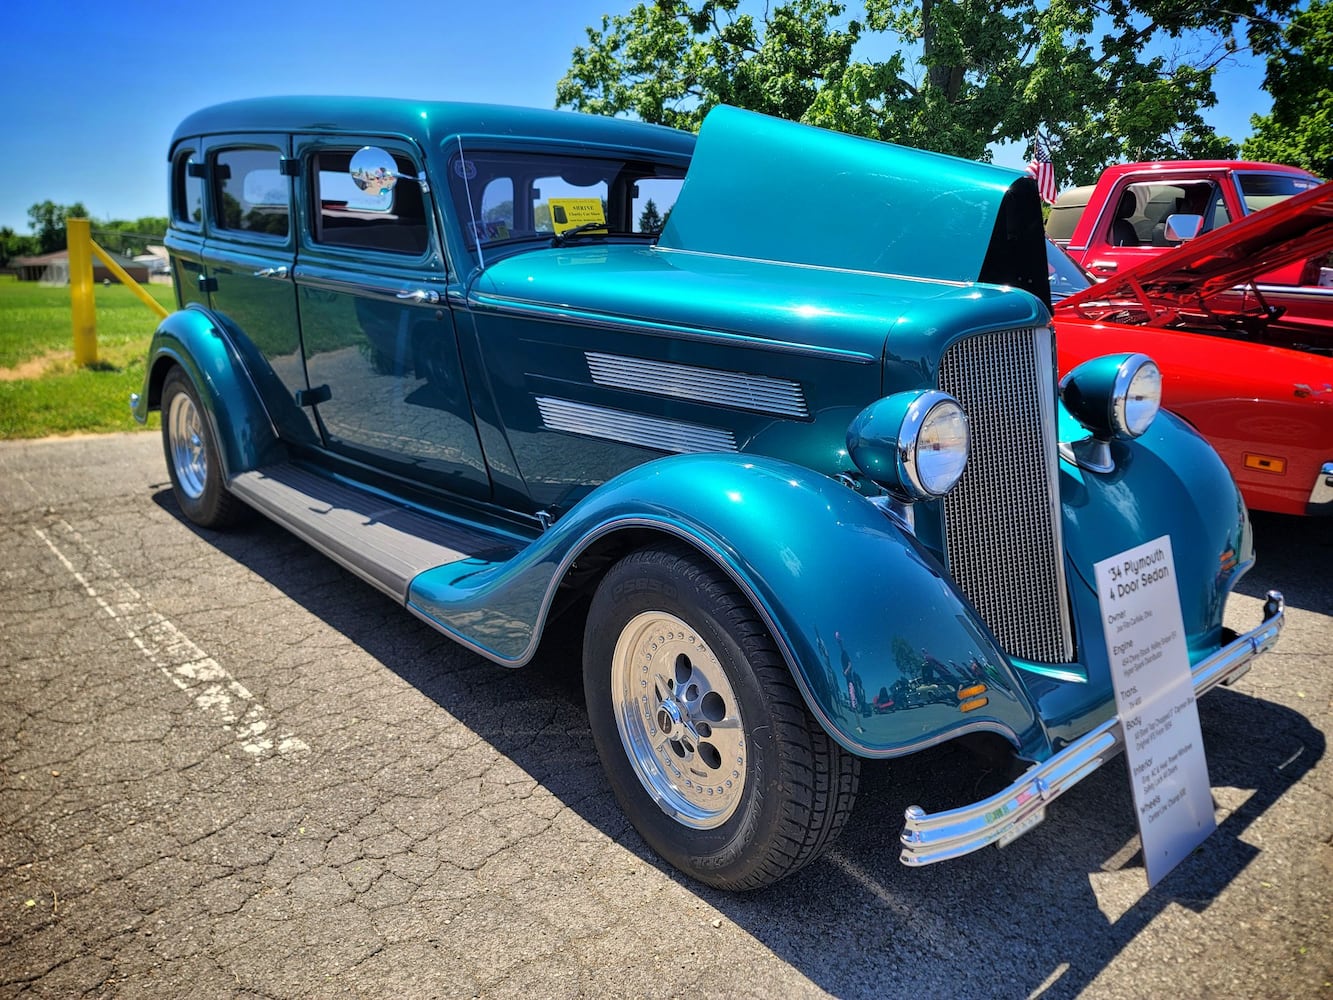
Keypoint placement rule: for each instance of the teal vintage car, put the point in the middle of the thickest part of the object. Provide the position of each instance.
(773, 410)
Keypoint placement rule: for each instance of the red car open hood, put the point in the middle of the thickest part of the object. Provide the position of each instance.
(1186, 278)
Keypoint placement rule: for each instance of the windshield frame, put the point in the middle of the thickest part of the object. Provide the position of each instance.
(474, 165)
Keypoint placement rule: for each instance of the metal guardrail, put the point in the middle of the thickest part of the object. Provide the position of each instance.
(82, 249)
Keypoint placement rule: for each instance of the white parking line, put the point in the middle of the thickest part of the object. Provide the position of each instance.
(169, 649)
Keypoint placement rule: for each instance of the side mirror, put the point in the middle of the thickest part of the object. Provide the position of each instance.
(1183, 227)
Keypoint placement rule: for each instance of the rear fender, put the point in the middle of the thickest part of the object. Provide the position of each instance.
(878, 639)
(193, 339)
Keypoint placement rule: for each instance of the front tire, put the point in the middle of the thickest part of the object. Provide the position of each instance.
(193, 460)
(707, 743)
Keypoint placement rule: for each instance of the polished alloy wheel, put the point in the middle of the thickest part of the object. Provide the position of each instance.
(186, 436)
(679, 720)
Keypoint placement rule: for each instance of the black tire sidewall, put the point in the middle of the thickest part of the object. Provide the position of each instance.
(213, 507)
(727, 855)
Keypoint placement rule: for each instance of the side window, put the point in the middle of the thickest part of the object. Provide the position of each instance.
(393, 221)
(187, 188)
(250, 192)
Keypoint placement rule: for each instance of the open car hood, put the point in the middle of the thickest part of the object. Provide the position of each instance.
(1186, 278)
(768, 189)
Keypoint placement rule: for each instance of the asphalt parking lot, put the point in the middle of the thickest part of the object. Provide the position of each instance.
(230, 769)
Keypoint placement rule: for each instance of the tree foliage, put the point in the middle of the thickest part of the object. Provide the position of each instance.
(48, 223)
(1299, 129)
(1119, 79)
(47, 220)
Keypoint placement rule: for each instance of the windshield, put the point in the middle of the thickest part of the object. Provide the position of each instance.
(516, 197)
(1066, 276)
(1261, 190)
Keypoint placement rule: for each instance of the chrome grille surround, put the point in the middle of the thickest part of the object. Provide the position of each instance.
(1002, 524)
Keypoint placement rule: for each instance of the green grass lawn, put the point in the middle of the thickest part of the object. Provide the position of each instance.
(42, 391)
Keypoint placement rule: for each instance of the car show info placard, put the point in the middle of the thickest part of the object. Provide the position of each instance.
(1154, 696)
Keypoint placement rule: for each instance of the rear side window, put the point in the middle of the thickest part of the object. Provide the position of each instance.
(250, 193)
(393, 221)
(187, 188)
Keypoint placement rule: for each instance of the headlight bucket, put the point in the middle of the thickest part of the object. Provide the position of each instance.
(914, 444)
(1114, 396)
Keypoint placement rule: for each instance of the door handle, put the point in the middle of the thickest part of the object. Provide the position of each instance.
(272, 272)
(1104, 266)
(420, 295)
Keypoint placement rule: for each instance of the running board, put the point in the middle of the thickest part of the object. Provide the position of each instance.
(384, 543)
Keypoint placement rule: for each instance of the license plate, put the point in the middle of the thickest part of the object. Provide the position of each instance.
(1021, 827)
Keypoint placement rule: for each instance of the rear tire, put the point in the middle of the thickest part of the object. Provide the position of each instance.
(707, 742)
(193, 460)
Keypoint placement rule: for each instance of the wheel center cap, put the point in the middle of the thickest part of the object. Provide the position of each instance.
(669, 717)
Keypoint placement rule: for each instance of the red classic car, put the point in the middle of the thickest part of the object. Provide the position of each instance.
(1253, 378)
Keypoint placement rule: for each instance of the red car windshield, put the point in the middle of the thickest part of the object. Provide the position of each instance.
(1261, 190)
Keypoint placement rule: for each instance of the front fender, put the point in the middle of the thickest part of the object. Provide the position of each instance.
(877, 637)
(194, 340)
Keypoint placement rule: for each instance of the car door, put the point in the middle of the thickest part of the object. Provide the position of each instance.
(248, 257)
(1134, 229)
(386, 382)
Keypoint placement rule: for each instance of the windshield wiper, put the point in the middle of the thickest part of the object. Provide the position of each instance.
(597, 229)
(559, 238)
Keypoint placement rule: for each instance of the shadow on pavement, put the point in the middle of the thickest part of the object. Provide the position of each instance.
(857, 922)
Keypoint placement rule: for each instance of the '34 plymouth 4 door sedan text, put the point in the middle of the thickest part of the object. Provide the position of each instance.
(773, 410)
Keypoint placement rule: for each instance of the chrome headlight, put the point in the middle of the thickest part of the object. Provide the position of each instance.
(914, 444)
(1114, 396)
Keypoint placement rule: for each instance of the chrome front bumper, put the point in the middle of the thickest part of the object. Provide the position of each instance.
(928, 838)
(1321, 497)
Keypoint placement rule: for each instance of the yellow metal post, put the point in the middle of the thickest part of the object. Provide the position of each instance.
(83, 308)
(126, 280)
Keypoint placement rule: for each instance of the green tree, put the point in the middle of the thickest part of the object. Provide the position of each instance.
(48, 223)
(130, 238)
(650, 219)
(1117, 80)
(1299, 129)
(13, 245)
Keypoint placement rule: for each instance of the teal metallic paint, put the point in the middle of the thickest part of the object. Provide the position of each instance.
(195, 340)
(849, 596)
(811, 196)
(1168, 482)
(736, 316)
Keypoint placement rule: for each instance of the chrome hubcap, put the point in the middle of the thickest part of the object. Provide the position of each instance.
(679, 720)
(185, 433)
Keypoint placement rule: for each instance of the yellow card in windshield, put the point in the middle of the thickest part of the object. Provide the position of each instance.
(566, 213)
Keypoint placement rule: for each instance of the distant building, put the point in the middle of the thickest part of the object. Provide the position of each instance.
(53, 268)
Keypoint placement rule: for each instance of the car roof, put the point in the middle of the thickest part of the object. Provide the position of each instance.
(425, 121)
(1116, 170)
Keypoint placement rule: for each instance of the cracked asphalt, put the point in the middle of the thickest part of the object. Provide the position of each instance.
(230, 769)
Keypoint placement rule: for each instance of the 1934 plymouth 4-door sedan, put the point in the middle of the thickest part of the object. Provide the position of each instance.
(774, 410)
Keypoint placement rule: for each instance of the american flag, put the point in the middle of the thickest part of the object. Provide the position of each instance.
(1041, 170)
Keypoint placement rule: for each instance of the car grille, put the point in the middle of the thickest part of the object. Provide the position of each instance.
(1002, 520)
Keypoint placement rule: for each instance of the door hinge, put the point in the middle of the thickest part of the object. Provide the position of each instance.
(289, 166)
(207, 283)
(315, 395)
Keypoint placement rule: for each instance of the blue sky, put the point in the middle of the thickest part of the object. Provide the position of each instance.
(95, 89)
